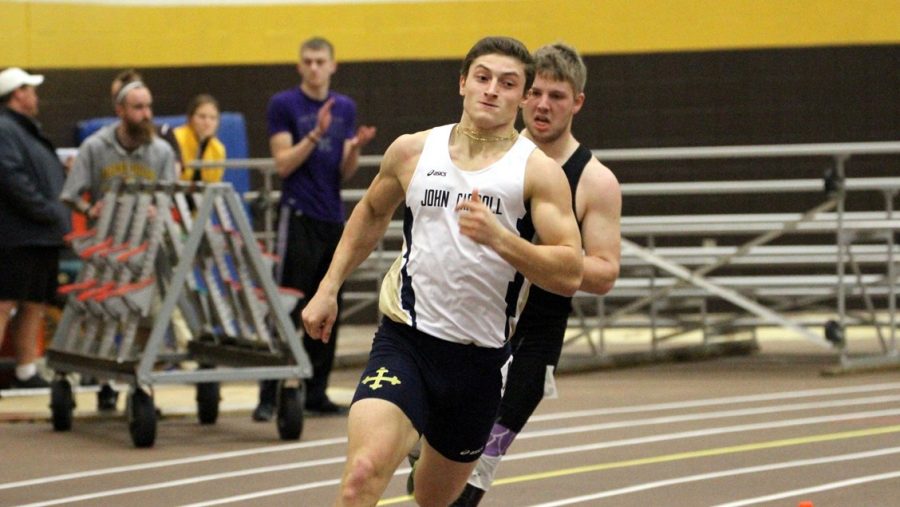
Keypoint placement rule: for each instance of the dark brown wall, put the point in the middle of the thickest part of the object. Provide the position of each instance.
(777, 96)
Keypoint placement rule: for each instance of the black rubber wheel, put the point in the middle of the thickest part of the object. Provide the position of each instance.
(208, 402)
(62, 404)
(141, 418)
(290, 413)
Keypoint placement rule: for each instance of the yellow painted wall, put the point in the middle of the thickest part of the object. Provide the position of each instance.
(91, 33)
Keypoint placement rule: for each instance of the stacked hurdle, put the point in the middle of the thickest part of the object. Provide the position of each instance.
(149, 254)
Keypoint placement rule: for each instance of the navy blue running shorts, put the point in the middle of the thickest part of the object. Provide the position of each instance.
(450, 392)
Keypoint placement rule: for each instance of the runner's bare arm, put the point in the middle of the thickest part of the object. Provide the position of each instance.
(599, 203)
(556, 263)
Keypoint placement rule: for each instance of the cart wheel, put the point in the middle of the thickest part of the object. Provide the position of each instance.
(141, 418)
(290, 413)
(208, 402)
(62, 404)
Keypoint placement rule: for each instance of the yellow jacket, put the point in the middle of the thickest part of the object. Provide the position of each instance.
(189, 145)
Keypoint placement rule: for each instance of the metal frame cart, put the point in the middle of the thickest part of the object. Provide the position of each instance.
(162, 247)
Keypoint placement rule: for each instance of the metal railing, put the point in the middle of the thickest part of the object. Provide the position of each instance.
(830, 217)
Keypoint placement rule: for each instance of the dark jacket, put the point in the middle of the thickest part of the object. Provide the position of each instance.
(31, 179)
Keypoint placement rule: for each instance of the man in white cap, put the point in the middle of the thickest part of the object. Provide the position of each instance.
(32, 221)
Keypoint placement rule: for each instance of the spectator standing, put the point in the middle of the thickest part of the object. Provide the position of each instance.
(32, 221)
(315, 144)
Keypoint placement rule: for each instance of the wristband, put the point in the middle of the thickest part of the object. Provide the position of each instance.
(314, 138)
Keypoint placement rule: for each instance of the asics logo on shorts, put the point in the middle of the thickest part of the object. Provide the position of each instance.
(378, 381)
(467, 452)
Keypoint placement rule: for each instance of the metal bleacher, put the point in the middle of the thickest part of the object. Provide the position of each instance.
(741, 271)
(815, 272)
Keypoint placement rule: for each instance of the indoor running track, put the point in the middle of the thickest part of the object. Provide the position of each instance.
(753, 430)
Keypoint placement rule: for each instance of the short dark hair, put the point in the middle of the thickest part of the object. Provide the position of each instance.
(4, 99)
(506, 46)
(561, 62)
(317, 43)
(199, 100)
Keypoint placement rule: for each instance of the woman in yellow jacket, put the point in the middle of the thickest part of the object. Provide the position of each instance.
(197, 140)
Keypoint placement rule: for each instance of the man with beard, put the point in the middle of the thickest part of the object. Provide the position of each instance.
(554, 99)
(127, 149)
(163, 130)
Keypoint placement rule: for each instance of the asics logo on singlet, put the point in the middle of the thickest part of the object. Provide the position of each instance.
(435, 172)
(380, 378)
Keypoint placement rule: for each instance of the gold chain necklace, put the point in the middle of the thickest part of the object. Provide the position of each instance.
(473, 135)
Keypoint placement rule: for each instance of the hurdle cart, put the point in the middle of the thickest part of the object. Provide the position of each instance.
(164, 251)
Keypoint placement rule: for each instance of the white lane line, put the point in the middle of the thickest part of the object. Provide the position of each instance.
(772, 409)
(524, 435)
(674, 436)
(551, 417)
(730, 473)
(717, 401)
(703, 433)
(189, 481)
(173, 462)
(815, 489)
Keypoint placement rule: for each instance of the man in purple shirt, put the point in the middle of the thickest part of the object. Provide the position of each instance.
(315, 144)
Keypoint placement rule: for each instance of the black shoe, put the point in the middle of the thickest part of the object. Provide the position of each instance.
(33, 382)
(326, 407)
(470, 497)
(107, 398)
(410, 485)
(263, 412)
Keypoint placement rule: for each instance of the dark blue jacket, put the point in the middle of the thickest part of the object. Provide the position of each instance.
(31, 179)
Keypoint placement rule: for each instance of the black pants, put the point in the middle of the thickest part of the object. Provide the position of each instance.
(536, 344)
(306, 252)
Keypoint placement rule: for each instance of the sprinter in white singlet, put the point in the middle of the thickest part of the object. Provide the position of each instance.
(467, 293)
(452, 300)
(556, 96)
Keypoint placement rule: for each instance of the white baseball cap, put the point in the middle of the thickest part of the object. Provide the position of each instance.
(14, 77)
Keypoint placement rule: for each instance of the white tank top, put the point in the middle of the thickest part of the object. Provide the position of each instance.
(445, 284)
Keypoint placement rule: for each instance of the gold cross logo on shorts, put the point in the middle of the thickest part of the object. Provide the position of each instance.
(378, 379)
